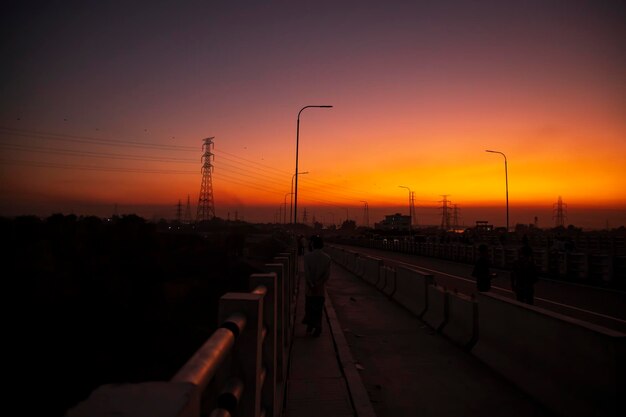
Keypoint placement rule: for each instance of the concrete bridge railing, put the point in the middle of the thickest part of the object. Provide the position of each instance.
(240, 370)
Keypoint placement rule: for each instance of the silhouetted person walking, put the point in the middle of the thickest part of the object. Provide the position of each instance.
(301, 244)
(481, 270)
(524, 276)
(316, 273)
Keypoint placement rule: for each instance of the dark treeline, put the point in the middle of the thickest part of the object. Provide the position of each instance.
(93, 301)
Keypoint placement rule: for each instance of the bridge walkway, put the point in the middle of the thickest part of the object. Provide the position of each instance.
(406, 368)
(322, 379)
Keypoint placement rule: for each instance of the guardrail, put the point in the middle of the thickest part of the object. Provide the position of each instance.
(240, 370)
(576, 266)
(574, 367)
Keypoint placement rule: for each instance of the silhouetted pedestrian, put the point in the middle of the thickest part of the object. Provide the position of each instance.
(316, 273)
(301, 244)
(524, 276)
(482, 271)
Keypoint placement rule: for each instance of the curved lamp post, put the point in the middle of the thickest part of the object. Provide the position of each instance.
(295, 192)
(285, 207)
(366, 216)
(506, 179)
(291, 199)
(410, 211)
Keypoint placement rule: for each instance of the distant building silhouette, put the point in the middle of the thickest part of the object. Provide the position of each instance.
(396, 222)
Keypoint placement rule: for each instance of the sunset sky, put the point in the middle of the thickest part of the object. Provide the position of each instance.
(107, 102)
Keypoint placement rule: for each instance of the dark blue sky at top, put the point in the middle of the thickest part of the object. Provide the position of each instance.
(120, 44)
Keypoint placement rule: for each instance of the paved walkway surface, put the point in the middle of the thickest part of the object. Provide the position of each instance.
(408, 369)
(322, 379)
(374, 358)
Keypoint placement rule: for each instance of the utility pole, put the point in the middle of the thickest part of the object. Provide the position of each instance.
(188, 210)
(179, 211)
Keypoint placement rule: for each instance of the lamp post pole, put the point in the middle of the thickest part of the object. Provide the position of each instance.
(366, 217)
(285, 207)
(295, 191)
(506, 180)
(410, 211)
(291, 199)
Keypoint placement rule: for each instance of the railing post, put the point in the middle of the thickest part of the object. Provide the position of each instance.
(246, 358)
(288, 300)
(281, 327)
(270, 302)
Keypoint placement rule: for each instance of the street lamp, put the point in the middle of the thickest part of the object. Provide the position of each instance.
(291, 199)
(285, 207)
(506, 179)
(295, 195)
(410, 211)
(366, 216)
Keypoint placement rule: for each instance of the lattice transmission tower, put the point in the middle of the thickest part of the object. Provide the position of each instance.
(559, 213)
(445, 213)
(455, 216)
(206, 206)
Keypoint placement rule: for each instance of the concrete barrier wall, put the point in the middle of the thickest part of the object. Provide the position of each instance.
(372, 266)
(351, 260)
(359, 269)
(436, 313)
(390, 281)
(384, 272)
(411, 289)
(573, 367)
(335, 253)
(462, 322)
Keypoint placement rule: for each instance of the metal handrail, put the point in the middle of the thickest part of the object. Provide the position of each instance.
(202, 366)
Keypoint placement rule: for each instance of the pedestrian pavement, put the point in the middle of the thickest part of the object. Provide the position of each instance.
(375, 358)
(408, 369)
(322, 379)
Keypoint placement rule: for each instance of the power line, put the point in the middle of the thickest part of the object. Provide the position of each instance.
(92, 168)
(250, 168)
(59, 151)
(116, 142)
(88, 139)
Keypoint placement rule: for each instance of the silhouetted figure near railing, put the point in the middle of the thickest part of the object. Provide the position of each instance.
(481, 270)
(524, 276)
(301, 244)
(316, 273)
